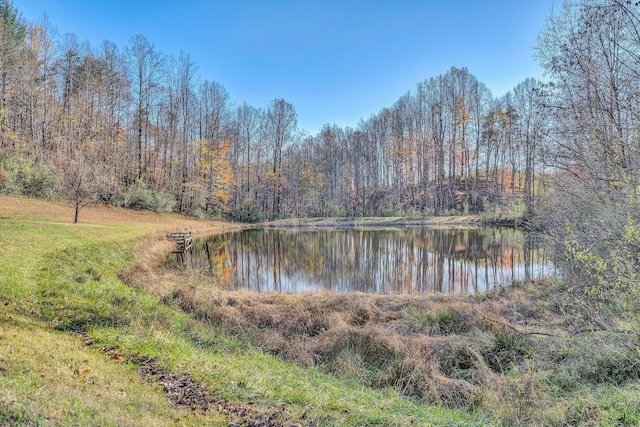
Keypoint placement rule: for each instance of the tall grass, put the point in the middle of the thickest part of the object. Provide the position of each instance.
(505, 355)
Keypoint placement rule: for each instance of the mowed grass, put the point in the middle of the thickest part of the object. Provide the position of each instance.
(60, 289)
(49, 378)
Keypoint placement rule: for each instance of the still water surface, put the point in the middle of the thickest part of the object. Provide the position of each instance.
(408, 260)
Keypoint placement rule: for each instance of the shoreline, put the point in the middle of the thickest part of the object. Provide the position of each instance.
(373, 222)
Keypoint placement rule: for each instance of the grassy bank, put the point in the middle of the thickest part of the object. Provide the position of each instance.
(94, 332)
(81, 347)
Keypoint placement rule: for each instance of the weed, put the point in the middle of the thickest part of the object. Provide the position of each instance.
(509, 349)
(611, 366)
(584, 412)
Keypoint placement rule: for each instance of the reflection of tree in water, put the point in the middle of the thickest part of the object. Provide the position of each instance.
(400, 261)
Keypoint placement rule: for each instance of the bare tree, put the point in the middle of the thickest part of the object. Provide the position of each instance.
(145, 69)
(13, 31)
(79, 183)
(529, 103)
(214, 126)
(280, 122)
(247, 122)
(180, 124)
(43, 36)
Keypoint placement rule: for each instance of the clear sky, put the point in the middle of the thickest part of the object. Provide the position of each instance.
(336, 61)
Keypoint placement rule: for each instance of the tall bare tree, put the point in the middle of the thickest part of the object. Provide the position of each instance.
(145, 69)
(529, 97)
(280, 123)
(13, 32)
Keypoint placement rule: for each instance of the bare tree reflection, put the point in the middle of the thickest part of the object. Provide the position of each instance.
(414, 260)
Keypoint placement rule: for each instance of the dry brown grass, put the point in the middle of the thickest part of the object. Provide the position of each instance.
(21, 208)
(440, 348)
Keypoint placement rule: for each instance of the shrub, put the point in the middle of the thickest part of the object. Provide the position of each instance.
(22, 176)
(607, 363)
(198, 207)
(42, 182)
(139, 196)
(509, 349)
(596, 235)
(334, 209)
(509, 211)
(4, 177)
(249, 212)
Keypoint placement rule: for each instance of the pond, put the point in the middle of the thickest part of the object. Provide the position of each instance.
(404, 261)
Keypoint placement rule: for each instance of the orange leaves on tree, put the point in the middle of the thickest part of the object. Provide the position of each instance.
(276, 181)
(215, 170)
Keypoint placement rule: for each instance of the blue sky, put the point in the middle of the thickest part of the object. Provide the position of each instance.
(336, 61)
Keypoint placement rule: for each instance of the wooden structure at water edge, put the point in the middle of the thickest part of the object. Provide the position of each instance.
(184, 241)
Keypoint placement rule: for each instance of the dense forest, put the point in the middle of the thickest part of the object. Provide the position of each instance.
(131, 126)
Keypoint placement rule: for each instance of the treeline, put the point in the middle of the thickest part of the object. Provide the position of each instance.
(132, 126)
(448, 146)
